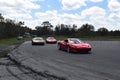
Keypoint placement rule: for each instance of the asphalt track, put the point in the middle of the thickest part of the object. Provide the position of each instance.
(102, 64)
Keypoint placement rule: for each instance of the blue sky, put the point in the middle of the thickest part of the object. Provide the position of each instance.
(100, 13)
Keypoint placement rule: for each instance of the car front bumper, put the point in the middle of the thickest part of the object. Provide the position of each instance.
(40, 43)
(80, 49)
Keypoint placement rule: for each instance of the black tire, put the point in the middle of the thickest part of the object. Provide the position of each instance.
(68, 49)
(43, 44)
(59, 47)
(46, 42)
(32, 43)
(89, 52)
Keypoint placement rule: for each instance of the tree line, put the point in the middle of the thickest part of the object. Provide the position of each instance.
(86, 30)
(10, 28)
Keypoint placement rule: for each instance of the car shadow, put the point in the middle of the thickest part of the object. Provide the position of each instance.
(79, 53)
(37, 45)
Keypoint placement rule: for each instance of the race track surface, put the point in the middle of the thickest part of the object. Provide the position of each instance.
(103, 63)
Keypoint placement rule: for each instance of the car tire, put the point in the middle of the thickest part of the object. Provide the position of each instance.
(32, 43)
(68, 49)
(46, 42)
(59, 47)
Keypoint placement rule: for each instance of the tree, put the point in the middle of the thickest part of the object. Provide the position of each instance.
(62, 29)
(102, 31)
(45, 28)
(86, 30)
(20, 23)
(9, 28)
(1, 17)
(57, 30)
(73, 30)
(47, 24)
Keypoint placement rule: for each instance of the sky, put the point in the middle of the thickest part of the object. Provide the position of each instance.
(99, 13)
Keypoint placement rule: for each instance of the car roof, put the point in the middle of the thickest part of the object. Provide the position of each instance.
(72, 38)
(50, 38)
(37, 38)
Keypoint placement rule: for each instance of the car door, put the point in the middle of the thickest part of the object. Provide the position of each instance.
(65, 44)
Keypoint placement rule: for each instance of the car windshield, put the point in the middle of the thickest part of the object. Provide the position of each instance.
(50, 38)
(75, 41)
(38, 39)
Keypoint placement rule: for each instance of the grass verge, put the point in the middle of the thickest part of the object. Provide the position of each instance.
(6, 45)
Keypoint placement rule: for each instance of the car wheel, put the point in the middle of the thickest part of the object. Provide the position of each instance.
(68, 49)
(32, 43)
(43, 44)
(89, 52)
(59, 47)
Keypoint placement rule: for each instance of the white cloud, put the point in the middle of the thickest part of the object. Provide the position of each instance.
(55, 18)
(73, 4)
(18, 5)
(36, 0)
(48, 15)
(114, 20)
(96, 0)
(22, 10)
(114, 15)
(94, 12)
(95, 15)
(21, 16)
(18, 9)
(70, 18)
(114, 5)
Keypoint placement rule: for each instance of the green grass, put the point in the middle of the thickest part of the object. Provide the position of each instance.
(5, 43)
(12, 41)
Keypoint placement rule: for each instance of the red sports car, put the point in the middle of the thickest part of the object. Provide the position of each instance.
(74, 45)
(51, 40)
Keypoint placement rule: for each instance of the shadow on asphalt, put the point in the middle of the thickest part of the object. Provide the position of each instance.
(77, 53)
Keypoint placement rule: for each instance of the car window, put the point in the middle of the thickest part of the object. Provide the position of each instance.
(50, 38)
(75, 41)
(38, 39)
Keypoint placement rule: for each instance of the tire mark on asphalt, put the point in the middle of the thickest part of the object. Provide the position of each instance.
(15, 75)
(32, 75)
(35, 75)
(10, 64)
(44, 74)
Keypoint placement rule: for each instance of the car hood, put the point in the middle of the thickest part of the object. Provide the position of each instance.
(51, 39)
(38, 40)
(81, 44)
